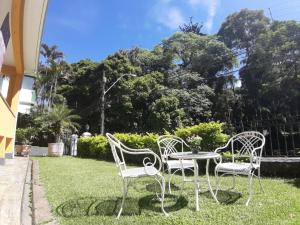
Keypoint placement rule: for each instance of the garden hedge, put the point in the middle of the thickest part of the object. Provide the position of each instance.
(97, 147)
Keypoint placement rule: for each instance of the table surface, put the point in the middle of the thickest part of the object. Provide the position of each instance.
(199, 155)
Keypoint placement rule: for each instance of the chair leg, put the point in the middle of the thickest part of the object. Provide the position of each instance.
(183, 178)
(217, 182)
(250, 176)
(162, 184)
(125, 191)
(169, 180)
(261, 187)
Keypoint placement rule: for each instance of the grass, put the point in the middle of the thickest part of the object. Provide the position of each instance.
(85, 191)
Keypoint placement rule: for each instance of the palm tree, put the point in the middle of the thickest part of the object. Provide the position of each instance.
(51, 68)
(58, 121)
(51, 54)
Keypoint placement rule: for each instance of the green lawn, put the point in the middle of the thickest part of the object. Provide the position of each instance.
(85, 191)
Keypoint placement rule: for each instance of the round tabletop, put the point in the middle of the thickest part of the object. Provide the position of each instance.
(199, 155)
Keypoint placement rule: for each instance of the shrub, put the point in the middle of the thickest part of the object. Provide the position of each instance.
(98, 147)
(211, 133)
(25, 136)
(94, 147)
(139, 141)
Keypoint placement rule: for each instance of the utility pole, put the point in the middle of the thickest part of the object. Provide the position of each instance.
(102, 102)
(102, 97)
(271, 15)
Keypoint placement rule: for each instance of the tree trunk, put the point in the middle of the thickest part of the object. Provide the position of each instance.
(55, 86)
(102, 103)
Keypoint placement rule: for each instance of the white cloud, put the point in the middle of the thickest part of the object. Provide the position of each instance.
(171, 18)
(212, 10)
(167, 15)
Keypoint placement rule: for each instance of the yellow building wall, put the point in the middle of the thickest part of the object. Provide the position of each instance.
(7, 129)
(7, 120)
(2, 149)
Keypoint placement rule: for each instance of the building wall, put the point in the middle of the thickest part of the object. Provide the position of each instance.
(27, 95)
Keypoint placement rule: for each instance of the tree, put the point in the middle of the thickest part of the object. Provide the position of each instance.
(186, 79)
(192, 27)
(58, 121)
(150, 60)
(270, 79)
(202, 54)
(110, 71)
(194, 95)
(240, 30)
(130, 111)
(51, 67)
(166, 113)
(80, 91)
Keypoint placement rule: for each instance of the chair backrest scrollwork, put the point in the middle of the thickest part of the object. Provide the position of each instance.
(117, 152)
(169, 144)
(149, 158)
(248, 144)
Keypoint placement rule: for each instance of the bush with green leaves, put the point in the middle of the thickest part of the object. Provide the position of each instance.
(98, 147)
(138, 140)
(94, 147)
(211, 133)
(25, 136)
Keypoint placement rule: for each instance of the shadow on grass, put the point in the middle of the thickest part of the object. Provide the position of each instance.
(172, 203)
(154, 187)
(92, 206)
(295, 182)
(224, 196)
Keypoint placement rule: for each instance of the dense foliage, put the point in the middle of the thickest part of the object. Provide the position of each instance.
(249, 70)
(211, 133)
(25, 136)
(56, 122)
(98, 147)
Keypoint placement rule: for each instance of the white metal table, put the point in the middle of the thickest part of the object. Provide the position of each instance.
(199, 156)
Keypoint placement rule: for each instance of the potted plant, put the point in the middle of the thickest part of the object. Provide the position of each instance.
(195, 143)
(24, 137)
(57, 121)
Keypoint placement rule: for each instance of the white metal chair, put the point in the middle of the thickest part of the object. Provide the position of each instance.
(246, 145)
(127, 174)
(169, 144)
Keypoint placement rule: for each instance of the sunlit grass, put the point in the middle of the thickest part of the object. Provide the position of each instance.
(85, 191)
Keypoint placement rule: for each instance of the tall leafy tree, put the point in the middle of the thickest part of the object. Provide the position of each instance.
(240, 30)
(202, 54)
(78, 88)
(270, 78)
(51, 67)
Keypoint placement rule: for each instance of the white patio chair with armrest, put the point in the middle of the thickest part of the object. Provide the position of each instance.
(127, 174)
(169, 144)
(249, 145)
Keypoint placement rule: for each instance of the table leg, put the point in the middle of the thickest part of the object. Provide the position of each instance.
(196, 180)
(208, 181)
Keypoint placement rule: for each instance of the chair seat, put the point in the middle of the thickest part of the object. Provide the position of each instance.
(236, 167)
(139, 172)
(176, 164)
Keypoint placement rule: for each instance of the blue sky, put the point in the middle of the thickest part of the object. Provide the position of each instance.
(94, 29)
